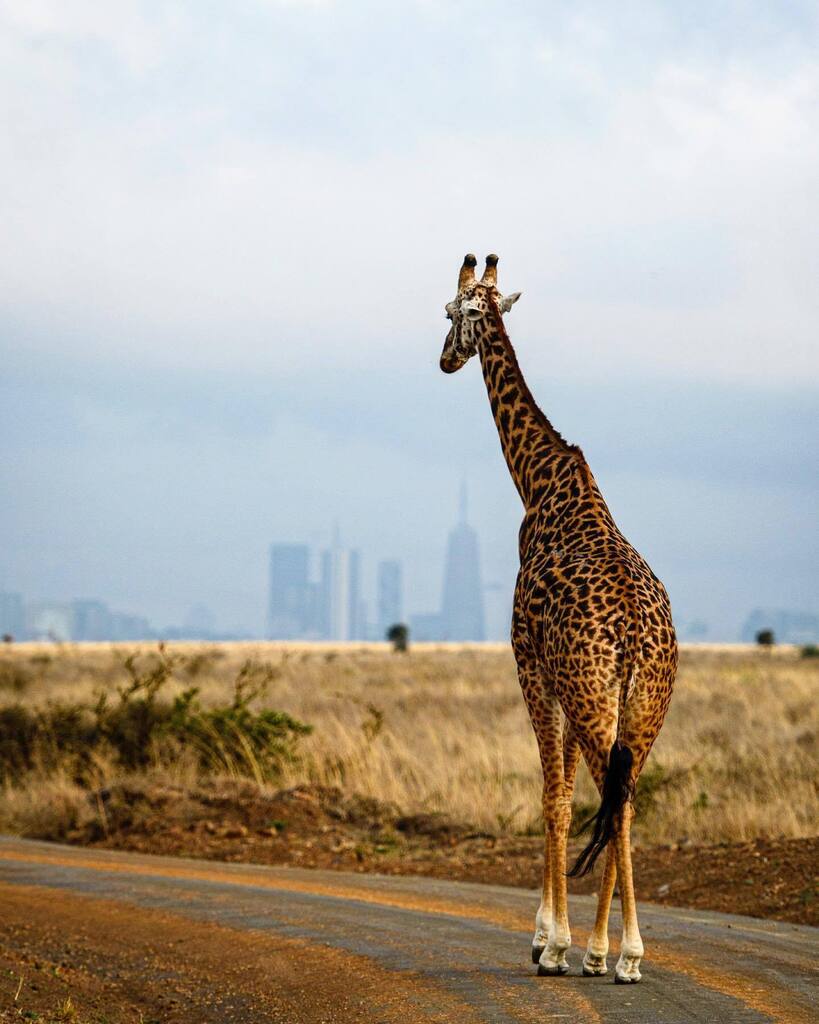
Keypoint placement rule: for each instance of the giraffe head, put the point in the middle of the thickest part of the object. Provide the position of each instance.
(470, 309)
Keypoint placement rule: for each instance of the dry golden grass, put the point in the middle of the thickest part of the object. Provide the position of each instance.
(445, 729)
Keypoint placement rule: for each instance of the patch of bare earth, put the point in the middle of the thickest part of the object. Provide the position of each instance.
(323, 828)
(63, 960)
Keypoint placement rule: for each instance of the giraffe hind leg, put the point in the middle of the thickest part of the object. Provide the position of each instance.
(543, 918)
(594, 962)
(627, 970)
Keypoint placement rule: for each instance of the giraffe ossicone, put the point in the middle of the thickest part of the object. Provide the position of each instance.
(592, 634)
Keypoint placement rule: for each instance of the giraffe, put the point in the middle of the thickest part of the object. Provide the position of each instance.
(591, 633)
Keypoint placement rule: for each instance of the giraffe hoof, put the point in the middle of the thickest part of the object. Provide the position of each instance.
(552, 970)
(537, 953)
(594, 964)
(627, 971)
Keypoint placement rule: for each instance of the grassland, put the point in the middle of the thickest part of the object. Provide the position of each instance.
(435, 730)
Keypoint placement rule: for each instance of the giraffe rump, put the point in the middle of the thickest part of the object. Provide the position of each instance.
(617, 791)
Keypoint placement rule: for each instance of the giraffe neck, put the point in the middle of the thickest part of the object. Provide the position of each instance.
(531, 445)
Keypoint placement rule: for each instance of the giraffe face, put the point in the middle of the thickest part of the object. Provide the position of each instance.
(467, 312)
(472, 312)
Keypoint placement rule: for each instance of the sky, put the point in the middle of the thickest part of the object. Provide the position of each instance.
(230, 232)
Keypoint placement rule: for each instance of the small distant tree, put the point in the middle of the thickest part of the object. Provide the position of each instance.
(8, 638)
(765, 638)
(398, 636)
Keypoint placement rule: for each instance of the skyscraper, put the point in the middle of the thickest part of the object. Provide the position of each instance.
(340, 606)
(47, 621)
(356, 627)
(91, 620)
(289, 609)
(389, 595)
(462, 607)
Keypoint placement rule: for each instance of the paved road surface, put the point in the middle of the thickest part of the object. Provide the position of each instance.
(330, 946)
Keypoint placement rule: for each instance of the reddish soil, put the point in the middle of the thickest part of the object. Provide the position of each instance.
(319, 827)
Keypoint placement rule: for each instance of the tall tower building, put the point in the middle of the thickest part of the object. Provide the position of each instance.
(289, 609)
(91, 620)
(356, 627)
(462, 607)
(340, 611)
(389, 596)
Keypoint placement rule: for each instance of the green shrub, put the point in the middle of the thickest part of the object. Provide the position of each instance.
(765, 638)
(144, 726)
(19, 729)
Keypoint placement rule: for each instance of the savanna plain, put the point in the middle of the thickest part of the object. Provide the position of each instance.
(363, 759)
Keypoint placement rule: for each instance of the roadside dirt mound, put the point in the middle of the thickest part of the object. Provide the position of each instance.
(314, 826)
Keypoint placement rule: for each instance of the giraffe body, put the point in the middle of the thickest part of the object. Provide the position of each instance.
(591, 632)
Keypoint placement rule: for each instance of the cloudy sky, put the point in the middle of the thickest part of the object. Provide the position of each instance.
(229, 232)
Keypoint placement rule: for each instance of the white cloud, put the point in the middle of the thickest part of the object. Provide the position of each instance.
(213, 198)
(134, 36)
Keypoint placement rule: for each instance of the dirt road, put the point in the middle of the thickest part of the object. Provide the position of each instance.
(205, 941)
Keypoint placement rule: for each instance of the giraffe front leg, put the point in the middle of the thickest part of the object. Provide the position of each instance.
(627, 970)
(594, 962)
(543, 918)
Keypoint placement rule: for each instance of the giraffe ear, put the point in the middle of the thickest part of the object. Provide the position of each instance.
(507, 301)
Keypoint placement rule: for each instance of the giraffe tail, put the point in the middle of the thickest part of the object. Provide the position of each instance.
(617, 791)
(618, 785)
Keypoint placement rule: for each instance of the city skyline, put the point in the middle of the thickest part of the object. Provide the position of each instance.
(227, 261)
(333, 592)
(312, 594)
(91, 619)
(320, 596)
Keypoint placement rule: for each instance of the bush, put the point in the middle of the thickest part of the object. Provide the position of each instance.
(144, 726)
(398, 635)
(233, 737)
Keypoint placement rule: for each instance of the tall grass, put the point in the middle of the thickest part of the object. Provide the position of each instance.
(447, 731)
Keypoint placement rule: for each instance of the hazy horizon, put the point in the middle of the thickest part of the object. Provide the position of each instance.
(230, 236)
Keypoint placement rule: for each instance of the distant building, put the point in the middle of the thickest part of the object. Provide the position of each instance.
(130, 627)
(49, 621)
(789, 626)
(12, 616)
(498, 607)
(357, 629)
(289, 603)
(82, 620)
(462, 611)
(200, 622)
(91, 620)
(426, 627)
(389, 599)
(693, 630)
(340, 609)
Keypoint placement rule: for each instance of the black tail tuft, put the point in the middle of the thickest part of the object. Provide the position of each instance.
(617, 790)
